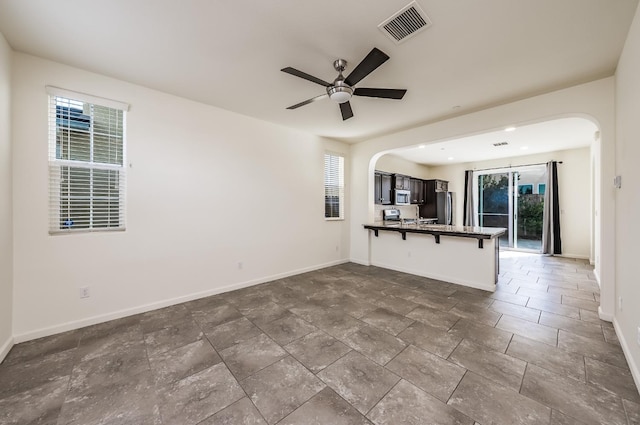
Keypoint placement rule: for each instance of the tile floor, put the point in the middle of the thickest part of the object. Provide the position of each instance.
(343, 345)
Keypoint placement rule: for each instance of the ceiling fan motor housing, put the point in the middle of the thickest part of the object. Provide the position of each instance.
(340, 92)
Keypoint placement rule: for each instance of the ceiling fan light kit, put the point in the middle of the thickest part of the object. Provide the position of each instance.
(340, 94)
(341, 90)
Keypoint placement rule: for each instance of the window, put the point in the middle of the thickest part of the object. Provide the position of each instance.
(525, 189)
(542, 187)
(86, 162)
(333, 186)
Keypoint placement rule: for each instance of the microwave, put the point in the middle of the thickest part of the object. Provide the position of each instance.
(402, 197)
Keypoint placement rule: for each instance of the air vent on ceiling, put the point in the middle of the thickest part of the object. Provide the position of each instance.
(501, 144)
(406, 23)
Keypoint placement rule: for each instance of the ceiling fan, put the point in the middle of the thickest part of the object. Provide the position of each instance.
(342, 88)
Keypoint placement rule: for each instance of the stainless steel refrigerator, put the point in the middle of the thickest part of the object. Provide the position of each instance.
(440, 205)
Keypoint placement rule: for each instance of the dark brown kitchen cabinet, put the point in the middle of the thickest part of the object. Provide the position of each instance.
(442, 186)
(417, 191)
(401, 182)
(432, 186)
(382, 188)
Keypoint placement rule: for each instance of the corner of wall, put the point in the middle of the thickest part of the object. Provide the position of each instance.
(5, 348)
(6, 202)
(624, 153)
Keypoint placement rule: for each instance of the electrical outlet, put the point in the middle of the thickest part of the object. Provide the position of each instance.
(337, 248)
(84, 292)
(240, 265)
(620, 303)
(409, 254)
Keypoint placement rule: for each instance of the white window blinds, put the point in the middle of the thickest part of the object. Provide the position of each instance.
(86, 163)
(333, 186)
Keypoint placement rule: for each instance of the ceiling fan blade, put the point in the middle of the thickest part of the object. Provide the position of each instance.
(384, 93)
(345, 108)
(306, 76)
(374, 59)
(308, 101)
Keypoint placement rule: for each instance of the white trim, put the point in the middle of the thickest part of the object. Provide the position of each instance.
(74, 95)
(361, 262)
(597, 276)
(603, 316)
(5, 348)
(635, 373)
(574, 256)
(76, 324)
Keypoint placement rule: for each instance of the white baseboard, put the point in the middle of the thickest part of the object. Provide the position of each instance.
(76, 324)
(635, 373)
(574, 256)
(361, 262)
(5, 348)
(604, 316)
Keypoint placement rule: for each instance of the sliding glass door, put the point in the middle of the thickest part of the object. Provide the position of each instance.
(513, 199)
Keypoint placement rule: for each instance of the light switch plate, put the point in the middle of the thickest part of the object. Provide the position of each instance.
(617, 182)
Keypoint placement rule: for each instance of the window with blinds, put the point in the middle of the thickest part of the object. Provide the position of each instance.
(333, 186)
(86, 163)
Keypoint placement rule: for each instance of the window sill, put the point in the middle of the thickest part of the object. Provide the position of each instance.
(95, 230)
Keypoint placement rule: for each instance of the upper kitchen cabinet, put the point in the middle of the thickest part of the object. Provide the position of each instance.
(401, 182)
(383, 188)
(417, 191)
(437, 185)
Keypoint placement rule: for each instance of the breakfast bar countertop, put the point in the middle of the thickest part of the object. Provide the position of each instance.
(439, 229)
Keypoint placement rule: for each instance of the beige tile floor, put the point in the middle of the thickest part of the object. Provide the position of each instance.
(343, 345)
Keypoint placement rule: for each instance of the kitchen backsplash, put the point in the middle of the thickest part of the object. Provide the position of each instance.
(406, 211)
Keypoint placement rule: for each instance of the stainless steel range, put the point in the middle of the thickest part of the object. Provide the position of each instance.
(392, 214)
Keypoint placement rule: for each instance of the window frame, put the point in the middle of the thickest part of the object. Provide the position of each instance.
(59, 165)
(542, 186)
(340, 189)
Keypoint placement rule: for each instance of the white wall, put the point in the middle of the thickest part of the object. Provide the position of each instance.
(627, 231)
(574, 190)
(594, 100)
(395, 164)
(6, 222)
(207, 189)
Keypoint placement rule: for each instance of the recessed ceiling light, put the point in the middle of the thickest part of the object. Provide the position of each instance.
(450, 158)
(421, 147)
(510, 128)
(524, 148)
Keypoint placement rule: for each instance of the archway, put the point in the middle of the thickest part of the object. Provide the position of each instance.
(593, 101)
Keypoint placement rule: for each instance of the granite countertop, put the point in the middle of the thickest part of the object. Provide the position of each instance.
(442, 229)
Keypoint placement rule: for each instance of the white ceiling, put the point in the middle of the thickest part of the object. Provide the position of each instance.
(548, 136)
(229, 53)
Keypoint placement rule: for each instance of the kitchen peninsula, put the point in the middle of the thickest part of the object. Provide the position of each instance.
(457, 254)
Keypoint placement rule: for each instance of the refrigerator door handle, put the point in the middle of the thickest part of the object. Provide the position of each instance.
(449, 212)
